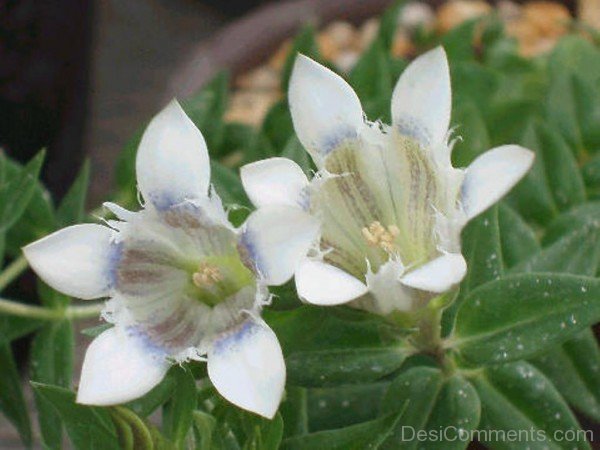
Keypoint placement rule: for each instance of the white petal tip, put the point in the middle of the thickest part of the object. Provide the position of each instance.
(277, 238)
(118, 368)
(422, 98)
(320, 283)
(438, 275)
(325, 109)
(274, 181)
(247, 368)
(172, 162)
(75, 260)
(492, 175)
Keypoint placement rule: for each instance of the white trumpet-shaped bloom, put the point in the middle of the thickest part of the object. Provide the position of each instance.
(181, 281)
(389, 204)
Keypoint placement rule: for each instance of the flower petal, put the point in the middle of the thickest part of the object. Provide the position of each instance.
(438, 275)
(276, 238)
(388, 293)
(119, 367)
(323, 284)
(274, 181)
(247, 368)
(421, 101)
(172, 161)
(77, 260)
(492, 175)
(325, 110)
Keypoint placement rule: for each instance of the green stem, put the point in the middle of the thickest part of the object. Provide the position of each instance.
(12, 271)
(40, 312)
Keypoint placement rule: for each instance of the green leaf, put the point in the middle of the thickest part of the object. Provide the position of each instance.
(12, 401)
(388, 23)
(13, 327)
(372, 81)
(204, 426)
(508, 120)
(517, 238)
(583, 216)
(178, 412)
(89, 428)
(305, 43)
(146, 405)
(576, 252)
(18, 190)
(50, 297)
(277, 125)
(591, 176)
(325, 350)
(474, 135)
(294, 412)
(474, 84)
(523, 315)
(263, 434)
(127, 194)
(72, 208)
(295, 151)
(260, 147)
(206, 109)
(482, 250)
(458, 42)
(483, 253)
(52, 363)
(433, 403)
(574, 54)
(574, 368)
(586, 97)
(124, 432)
(236, 139)
(560, 166)
(341, 406)
(341, 366)
(36, 221)
(517, 398)
(132, 431)
(228, 185)
(97, 330)
(532, 197)
(355, 437)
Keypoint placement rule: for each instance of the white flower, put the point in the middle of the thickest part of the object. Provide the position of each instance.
(390, 205)
(181, 284)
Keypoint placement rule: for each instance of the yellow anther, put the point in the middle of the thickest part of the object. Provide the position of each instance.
(377, 235)
(206, 275)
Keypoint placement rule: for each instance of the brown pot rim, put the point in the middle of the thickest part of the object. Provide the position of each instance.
(250, 40)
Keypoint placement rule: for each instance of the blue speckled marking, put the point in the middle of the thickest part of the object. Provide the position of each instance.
(162, 201)
(152, 347)
(331, 142)
(114, 258)
(233, 337)
(247, 241)
(413, 128)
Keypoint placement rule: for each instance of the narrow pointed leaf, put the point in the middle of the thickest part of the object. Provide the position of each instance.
(355, 437)
(432, 403)
(517, 398)
(52, 363)
(517, 238)
(12, 401)
(523, 315)
(89, 428)
(72, 207)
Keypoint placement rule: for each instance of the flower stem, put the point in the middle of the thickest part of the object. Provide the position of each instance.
(12, 271)
(41, 312)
